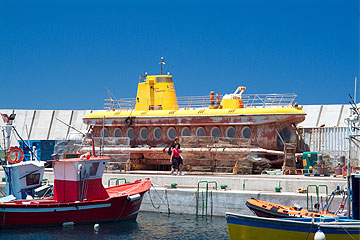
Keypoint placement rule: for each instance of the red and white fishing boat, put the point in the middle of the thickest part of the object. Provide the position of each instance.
(79, 197)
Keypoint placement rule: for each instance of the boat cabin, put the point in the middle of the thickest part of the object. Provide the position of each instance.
(23, 177)
(79, 179)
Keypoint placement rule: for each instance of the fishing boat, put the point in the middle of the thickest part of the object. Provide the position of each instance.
(79, 197)
(315, 227)
(214, 131)
(255, 227)
(243, 227)
(23, 178)
(273, 210)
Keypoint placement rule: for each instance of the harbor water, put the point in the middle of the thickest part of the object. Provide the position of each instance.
(147, 226)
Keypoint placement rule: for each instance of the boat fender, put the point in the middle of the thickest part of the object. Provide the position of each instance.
(81, 170)
(319, 235)
(67, 224)
(96, 227)
(133, 197)
(128, 122)
(19, 155)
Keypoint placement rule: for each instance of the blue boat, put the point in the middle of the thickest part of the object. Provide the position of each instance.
(260, 228)
(330, 228)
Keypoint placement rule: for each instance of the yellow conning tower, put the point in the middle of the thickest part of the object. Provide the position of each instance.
(156, 93)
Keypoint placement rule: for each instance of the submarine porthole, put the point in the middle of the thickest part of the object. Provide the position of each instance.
(144, 133)
(215, 132)
(185, 132)
(246, 132)
(117, 133)
(171, 133)
(104, 132)
(131, 133)
(200, 132)
(157, 133)
(230, 132)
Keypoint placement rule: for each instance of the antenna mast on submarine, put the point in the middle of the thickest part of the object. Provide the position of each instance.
(162, 63)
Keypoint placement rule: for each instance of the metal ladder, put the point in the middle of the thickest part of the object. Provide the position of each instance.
(202, 198)
(317, 188)
(289, 156)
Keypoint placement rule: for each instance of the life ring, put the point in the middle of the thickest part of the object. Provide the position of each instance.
(128, 121)
(19, 155)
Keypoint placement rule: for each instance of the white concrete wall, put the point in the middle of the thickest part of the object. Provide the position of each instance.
(43, 125)
(59, 130)
(330, 115)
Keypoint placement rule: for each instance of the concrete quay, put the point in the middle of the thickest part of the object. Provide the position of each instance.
(183, 201)
(240, 188)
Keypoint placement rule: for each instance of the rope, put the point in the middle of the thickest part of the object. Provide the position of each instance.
(166, 204)
(152, 201)
(189, 204)
(162, 200)
(312, 224)
(167, 200)
(347, 232)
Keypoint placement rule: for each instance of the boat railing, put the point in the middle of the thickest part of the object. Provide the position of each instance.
(196, 102)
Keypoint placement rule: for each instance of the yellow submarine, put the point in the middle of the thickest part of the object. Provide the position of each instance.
(215, 130)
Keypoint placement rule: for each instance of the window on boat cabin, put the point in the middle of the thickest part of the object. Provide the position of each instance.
(144, 133)
(157, 133)
(117, 133)
(104, 132)
(155, 107)
(32, 179)
(230, 132)
(215, 132)
(164, 79)
(171, 133)
(200, 132)
(246, 132)
(185, 132)
(93, 169)
(131, 133)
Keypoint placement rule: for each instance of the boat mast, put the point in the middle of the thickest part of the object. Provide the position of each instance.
(348, 170)
(352, 121)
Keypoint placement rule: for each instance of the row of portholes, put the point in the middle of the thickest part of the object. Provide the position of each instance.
(171, 133)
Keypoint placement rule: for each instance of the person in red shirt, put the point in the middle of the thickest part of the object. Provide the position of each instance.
(175, 159)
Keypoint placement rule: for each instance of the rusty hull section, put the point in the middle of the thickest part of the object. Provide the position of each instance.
(151, 151)
(263, 127)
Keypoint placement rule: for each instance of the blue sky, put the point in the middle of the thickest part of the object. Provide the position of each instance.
(64, 54)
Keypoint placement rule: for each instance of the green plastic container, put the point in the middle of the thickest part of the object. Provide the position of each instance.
(309, 159)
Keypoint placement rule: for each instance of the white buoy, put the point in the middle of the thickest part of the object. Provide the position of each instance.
(96, 227)
(319, 235)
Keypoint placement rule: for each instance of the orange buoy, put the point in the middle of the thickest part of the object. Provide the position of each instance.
(212, 98)
(19, 155)
(85, 156)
